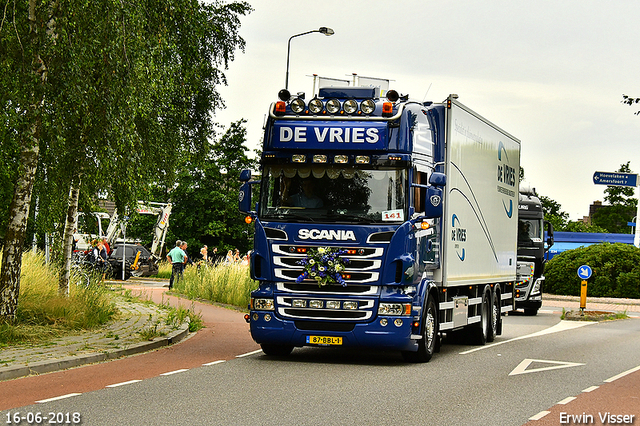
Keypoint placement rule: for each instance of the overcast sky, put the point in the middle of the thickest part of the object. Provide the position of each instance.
(551, 73)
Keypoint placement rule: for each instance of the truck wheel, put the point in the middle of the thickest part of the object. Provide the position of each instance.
(430, 338)
(276, 350)
(494, 319)
(480, 331)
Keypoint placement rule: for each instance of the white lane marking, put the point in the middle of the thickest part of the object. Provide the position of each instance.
(522, 367)
(57, 398)
(249, 353)
(633, 370)
(123, 383)
(561, 326)
(591, 388)
(540, 415)
(567, 400)
(175, 372)
(214, 362)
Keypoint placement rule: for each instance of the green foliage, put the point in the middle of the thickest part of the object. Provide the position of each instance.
(128, 91)
(616, 271)
(553, 213)
(630, 101)
(621, 209)
(205, 201)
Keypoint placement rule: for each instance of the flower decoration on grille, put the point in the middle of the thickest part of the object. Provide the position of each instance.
(324, 265)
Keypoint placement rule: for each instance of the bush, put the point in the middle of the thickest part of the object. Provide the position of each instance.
(616, 271)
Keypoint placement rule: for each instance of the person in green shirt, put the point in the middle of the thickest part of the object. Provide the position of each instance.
(178, 258)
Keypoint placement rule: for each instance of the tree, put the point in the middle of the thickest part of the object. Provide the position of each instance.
(26, 44)
(133, 95)
(630, 101)
(621, 209)
(205, 201)
(553, 213)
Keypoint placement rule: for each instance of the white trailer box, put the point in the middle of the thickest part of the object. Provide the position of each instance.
(480, 220)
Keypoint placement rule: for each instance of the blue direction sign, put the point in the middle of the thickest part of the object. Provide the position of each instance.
(584, 272)
(615, 179)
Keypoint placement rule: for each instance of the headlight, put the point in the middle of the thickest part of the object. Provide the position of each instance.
(262, 304)
(536, 287)
(350, 106)
(367, 106)
(394, 309)
(315, 106)
(297, 105)
(333, 106)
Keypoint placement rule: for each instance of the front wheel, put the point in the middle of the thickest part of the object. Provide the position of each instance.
(428, 344)
(276, 350)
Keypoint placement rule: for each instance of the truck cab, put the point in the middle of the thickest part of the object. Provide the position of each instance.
(531, 251)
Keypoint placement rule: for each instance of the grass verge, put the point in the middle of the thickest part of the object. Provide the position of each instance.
(42, 314)
(227, 283)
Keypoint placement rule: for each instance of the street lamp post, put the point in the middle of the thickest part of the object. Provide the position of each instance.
(322, 30)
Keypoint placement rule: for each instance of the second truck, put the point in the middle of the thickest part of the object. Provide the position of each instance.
(532, 247)
(382, 223)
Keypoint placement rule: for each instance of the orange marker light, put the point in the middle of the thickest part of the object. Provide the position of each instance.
(248, 220)
(281, 108)
(425, 225)
(387, 109)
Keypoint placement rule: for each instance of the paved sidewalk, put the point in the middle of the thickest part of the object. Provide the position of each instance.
(120, 338)
(631, 306)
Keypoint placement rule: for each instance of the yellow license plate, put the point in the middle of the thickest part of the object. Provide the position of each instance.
(324, 340)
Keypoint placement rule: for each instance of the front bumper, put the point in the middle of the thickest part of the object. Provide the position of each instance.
(366, 334)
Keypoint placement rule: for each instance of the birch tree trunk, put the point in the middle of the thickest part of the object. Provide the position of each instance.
(17, 228)
(29, 156)
(67, 244)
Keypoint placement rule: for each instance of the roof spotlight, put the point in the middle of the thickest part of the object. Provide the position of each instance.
(392, 95)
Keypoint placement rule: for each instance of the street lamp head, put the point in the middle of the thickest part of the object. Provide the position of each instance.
(326, 31)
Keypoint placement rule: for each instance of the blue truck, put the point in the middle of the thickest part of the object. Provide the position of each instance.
(381, 222)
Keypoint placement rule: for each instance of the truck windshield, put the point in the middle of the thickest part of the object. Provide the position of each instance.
(529, 232)
(333, 193)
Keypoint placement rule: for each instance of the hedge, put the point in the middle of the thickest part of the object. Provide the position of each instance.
(616, 271)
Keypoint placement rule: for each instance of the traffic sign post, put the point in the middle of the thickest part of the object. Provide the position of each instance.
(620, 179)
(584, 272)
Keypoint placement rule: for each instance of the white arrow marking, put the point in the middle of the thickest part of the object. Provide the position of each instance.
(522, 367)
(561, 326)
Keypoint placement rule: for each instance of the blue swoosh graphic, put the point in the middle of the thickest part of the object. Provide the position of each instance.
(453, 220)
(461, 257)
(510, 210)
(500, 149)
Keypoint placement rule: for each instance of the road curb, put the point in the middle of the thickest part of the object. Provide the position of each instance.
(49, 366)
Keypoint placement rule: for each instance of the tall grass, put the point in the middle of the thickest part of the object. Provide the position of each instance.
(227, 283)
(42, 314)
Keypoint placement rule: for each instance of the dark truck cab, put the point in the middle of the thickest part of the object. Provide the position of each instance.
(531, 249)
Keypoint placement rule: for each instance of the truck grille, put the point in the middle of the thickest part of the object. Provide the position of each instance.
(307, 301)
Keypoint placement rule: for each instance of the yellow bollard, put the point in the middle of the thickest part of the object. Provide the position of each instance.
(583, 296)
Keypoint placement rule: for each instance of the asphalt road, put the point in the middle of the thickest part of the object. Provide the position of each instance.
(536, 363)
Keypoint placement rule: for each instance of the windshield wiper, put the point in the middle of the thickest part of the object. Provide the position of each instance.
(350, 217)
(297, 216)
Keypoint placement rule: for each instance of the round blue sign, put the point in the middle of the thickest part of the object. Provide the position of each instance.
(584, 272)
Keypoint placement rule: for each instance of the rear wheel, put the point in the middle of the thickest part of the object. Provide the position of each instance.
(276, 350)
(429, 343)
(480, 331)
(494, 321)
